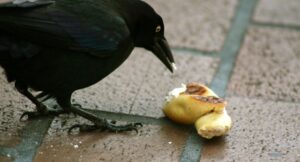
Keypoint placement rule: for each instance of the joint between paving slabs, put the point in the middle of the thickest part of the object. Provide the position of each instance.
(196, 52)
(228, 54)
(8, 152)
(132, 118)
(275, 25)
(266, 99)
(31, 138)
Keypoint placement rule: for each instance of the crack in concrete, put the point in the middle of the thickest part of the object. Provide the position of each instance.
(139, 88)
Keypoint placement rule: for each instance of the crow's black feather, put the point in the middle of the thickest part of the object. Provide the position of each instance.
(25, 4)
(55, 27)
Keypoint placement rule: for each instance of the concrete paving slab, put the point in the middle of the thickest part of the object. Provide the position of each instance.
(152, 143)
(116, 92)
(278, 11)
(158, 81)
(262, 131)
(268, 65)
(196, 24)
(5, 1)
(12, 105)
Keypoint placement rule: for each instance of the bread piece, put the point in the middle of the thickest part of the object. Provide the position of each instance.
(213, 124)
(186, 104)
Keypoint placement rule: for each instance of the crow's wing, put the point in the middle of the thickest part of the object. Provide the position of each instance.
(49, 26)
(24, 3)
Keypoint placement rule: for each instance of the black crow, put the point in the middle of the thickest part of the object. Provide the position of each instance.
(61, 46)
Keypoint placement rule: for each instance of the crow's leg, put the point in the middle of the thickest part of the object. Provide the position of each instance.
(41, 108)
(99, 123)
(43, 96)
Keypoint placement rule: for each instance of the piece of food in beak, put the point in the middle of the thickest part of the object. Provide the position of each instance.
(213, 124)
(186, 104)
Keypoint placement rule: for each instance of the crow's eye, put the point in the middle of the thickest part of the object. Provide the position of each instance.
(158, 28)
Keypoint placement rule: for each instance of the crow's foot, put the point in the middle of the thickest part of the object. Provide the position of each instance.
(99, 124)
(103, 125)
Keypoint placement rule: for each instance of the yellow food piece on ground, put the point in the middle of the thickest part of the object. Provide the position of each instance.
(213, 124)
(196, 103)
(185, 109)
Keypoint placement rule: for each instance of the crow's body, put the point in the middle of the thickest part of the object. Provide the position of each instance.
(61, 47)
(59, 72)
(57, 58)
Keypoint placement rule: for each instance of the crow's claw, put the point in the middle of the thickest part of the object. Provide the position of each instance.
(123, 128)
(32, 115)
(77, 105)
(83, 128)
(29, 115)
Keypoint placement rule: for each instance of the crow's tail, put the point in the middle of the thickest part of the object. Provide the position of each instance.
(4, 53)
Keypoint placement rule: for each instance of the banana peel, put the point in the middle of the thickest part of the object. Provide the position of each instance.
(196, 103)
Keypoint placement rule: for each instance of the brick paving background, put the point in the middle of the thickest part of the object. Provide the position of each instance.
(248, 51)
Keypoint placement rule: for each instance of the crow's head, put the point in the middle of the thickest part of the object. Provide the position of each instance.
(147, 31)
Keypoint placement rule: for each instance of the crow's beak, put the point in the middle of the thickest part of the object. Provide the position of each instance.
(162, 50)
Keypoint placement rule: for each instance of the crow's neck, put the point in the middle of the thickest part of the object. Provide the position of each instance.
(131, 11)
